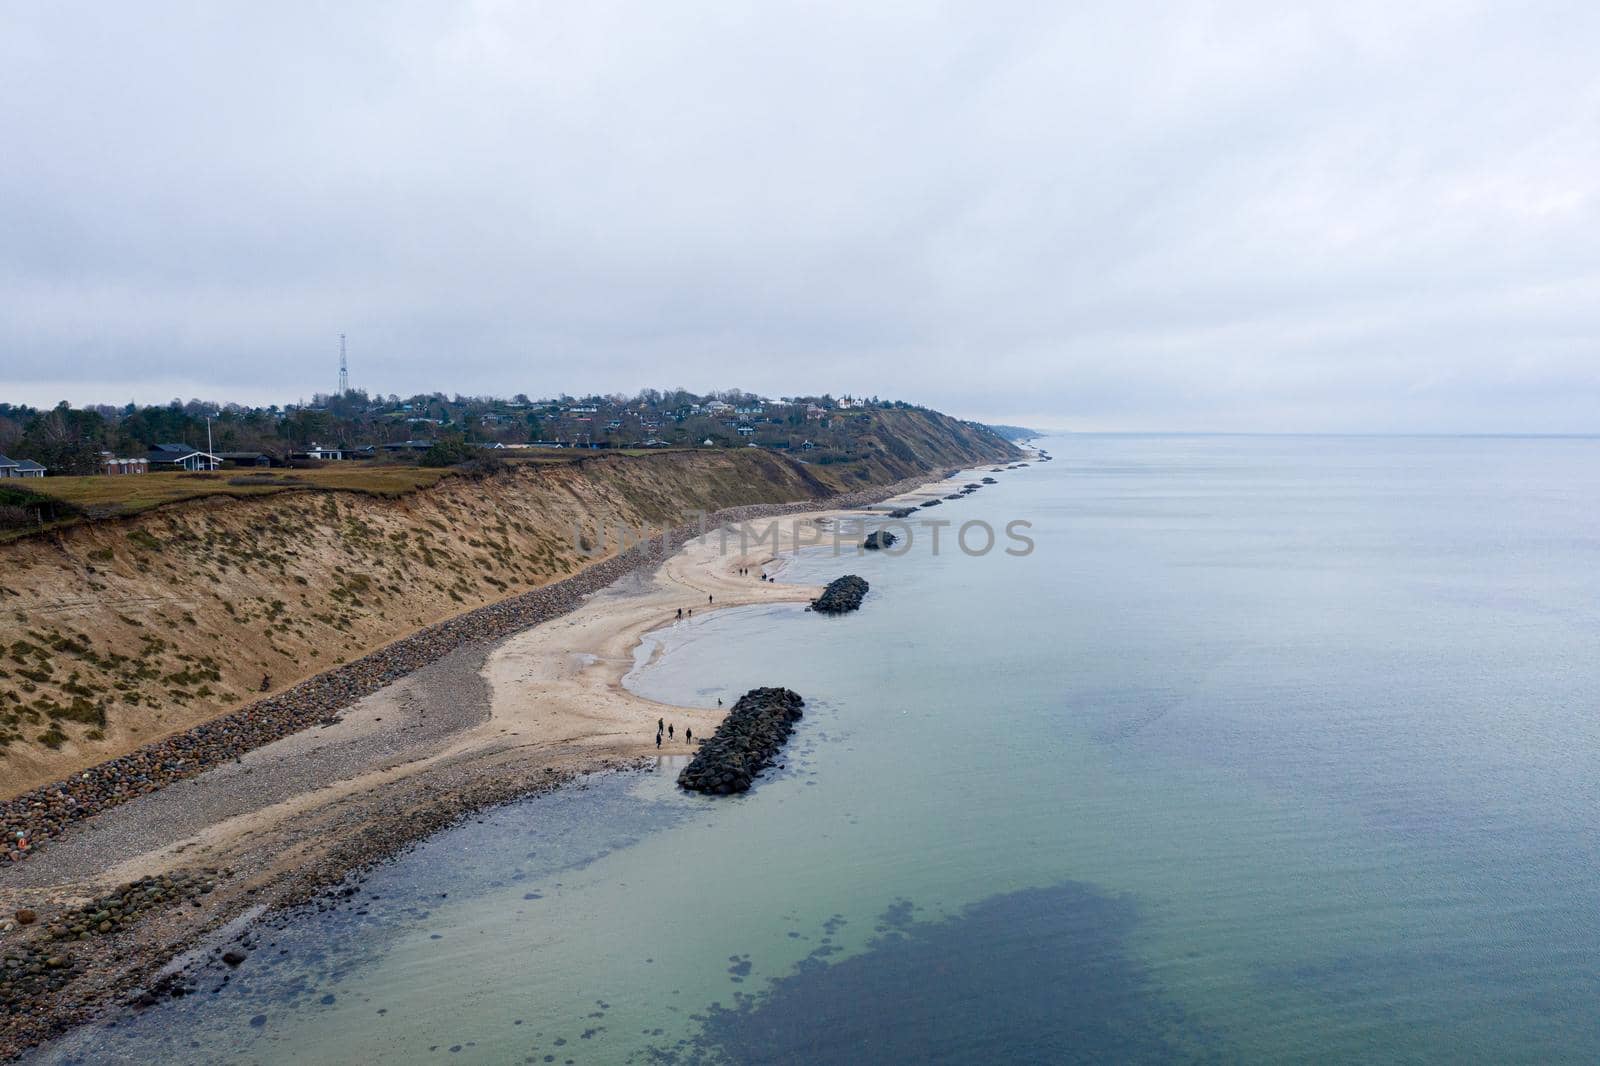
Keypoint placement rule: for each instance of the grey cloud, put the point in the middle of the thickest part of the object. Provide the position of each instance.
(1237, 216)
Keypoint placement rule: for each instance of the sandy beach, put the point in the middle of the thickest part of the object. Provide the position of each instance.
(486, 724)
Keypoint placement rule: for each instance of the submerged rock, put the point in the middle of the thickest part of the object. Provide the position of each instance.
(745, 743)
(842, 594)
(902, 512)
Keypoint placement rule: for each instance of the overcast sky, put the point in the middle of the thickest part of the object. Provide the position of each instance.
(1217, 216)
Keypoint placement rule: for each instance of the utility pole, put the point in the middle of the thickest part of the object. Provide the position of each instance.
(211, 463)
(344, 369)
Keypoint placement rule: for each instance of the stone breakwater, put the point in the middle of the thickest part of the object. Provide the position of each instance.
(48, 811)
(744, 744)
(879, 538)
(842, 595)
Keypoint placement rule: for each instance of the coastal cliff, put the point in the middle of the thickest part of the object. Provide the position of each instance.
(117, 633)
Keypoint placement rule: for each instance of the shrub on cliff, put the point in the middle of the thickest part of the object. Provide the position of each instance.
(449, 452)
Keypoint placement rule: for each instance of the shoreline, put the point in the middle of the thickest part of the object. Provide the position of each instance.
(549, 705)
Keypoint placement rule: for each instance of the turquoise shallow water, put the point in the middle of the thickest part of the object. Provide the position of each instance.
(1274, 749)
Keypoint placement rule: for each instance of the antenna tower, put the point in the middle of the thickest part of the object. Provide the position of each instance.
(344, 369)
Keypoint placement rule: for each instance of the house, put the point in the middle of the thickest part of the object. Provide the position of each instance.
(318, 451)
(246, 458)
(112, 464)
(813, 412)
(745, 431)
(181, 457)
(492, 445)
(408, 446)
(20, 468)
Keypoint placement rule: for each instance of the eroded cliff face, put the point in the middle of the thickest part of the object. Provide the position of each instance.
(117, 633)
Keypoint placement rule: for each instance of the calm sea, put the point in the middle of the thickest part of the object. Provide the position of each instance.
(1274, 749)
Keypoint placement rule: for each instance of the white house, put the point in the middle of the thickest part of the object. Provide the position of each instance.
(181, 457)
(20, 468)
(114, 464)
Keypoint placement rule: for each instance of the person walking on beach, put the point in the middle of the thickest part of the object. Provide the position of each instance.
(709, 598)
(669, 732)
(680, 613)
(658, 740)
(688, 735)
(661, 723)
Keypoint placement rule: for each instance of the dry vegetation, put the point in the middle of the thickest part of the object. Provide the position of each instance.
(135, 493)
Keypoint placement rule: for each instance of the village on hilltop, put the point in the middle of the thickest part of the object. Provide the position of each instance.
(427, 429)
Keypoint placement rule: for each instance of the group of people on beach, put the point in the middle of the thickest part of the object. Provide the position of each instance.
(744, 571)
(663, 725)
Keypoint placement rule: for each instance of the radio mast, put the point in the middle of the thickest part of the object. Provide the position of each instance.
(344, 369)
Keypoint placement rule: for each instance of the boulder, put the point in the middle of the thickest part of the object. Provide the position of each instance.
(842, 595)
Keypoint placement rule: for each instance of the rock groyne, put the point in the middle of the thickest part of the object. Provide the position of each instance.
(842, 595)
(744, 744)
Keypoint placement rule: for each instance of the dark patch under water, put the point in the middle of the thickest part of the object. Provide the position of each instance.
(1041, 975)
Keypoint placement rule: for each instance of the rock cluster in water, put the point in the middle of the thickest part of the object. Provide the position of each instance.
(745, 742)
(902, 512)
(842, 594)
(31, 971)
(879, 538)
(28, 972)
